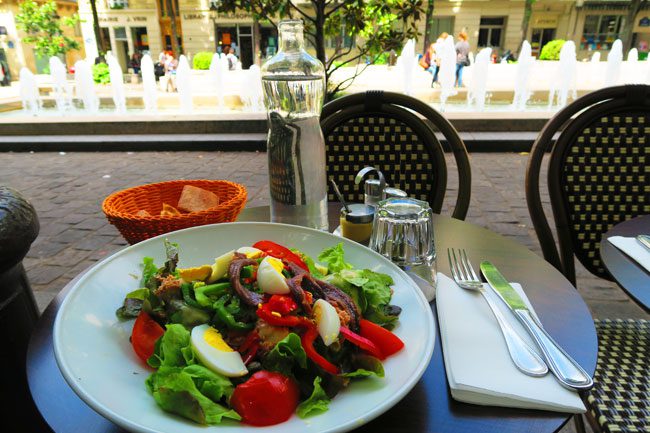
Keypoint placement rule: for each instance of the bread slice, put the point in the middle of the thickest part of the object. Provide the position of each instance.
(195, 199)
(169, 210)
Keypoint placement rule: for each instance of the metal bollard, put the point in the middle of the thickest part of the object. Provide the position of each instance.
(18, 311)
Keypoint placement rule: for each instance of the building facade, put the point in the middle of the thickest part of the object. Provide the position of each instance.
(130, 26)
(16, 54)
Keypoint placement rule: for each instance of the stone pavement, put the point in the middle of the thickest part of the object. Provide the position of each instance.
(67, 190)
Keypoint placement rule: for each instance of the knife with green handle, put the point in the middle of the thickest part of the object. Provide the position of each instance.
(568, 372)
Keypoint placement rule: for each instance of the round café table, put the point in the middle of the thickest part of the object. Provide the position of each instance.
(632, 277)
(429, 406)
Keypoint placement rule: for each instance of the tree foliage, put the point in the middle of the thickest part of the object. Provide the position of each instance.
(377, 25)
(551, 51)
(44, 28)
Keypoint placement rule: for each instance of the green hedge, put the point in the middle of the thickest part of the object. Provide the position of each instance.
(202, 60)
(551, 51)
(101, 74)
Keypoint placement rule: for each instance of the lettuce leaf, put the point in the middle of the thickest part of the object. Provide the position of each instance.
(149, 269)
(334, 258)
(173, 349)
(175, 390)
(287, 353)
(211, 384)
(318, 401)
(366, 365)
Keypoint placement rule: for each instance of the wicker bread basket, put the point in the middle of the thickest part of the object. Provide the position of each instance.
(121, 207)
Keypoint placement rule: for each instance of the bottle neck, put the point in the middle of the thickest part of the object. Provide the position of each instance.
(291, 38)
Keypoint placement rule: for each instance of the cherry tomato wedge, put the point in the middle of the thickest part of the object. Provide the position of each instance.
(387, 342)
(280, 252)
(146, 332)
(362, 342)
(266, 398)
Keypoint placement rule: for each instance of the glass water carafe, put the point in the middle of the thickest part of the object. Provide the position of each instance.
(294, 86)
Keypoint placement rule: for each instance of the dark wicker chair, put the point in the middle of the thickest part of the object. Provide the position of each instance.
(385, 130)
(599, 175)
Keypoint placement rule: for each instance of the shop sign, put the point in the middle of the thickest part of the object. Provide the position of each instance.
(219, 15)
(545, 21)
(189, 17)
(122, 19)
(644, 22)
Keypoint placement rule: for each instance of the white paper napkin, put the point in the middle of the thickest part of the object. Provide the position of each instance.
(478, 365)
(632, 248)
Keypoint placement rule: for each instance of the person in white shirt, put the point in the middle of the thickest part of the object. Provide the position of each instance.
(232, 59)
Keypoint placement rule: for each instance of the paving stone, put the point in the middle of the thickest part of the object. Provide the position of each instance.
(67, 192)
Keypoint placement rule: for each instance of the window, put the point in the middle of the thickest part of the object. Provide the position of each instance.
(600, 31)
(490, 32)
(118, 4)
(343, 40)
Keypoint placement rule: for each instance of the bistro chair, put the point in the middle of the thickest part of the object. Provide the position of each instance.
(395, 134)
(598, 176)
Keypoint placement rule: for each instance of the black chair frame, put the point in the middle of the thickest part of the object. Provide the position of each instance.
(408, 110)
(585, 109)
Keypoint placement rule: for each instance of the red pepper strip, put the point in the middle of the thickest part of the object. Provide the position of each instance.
(362, 343)
(281, 304)
(307, 341)
(249, 347)
(267, 315)
(280, 252)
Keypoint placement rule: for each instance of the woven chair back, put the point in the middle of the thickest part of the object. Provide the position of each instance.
(598, 173)
(394, 134)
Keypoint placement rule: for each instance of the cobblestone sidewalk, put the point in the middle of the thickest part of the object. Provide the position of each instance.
(67, 191)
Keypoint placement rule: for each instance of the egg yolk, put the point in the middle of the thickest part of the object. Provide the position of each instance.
(276, 263)
(213, 338)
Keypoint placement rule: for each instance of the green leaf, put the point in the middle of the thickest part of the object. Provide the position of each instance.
(286, 354)
(211, 384)
(318, 401)
(169, 350)
(334, 257)
(366, 365)
(175, 391)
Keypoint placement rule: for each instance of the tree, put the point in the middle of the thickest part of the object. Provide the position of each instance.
(428, 19)
(380, 25)
(99, 36)
(528, 11)
(44, 28)
(626, 33)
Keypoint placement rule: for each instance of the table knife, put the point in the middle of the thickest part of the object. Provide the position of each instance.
(568, 372)
(644, 240)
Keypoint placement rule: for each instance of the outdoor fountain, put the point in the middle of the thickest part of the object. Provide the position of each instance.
(254, 89)
(184, 84)
(525, 63)
(149, 88)
(85, 86)
(407, 63)
(565, 76)
(29, 92)
(117, 83)
(447, 74)
(478, 84)
(217, 78)
(60, 87)
(633, 55)
(614, 60)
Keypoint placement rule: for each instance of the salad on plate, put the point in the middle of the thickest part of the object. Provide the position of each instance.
(260, 334)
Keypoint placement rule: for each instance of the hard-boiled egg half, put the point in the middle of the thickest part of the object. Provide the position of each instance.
(270, 278)
(327, 321)
(221, 263)
(215, 353)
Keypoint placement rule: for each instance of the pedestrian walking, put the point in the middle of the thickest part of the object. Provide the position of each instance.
(462, 57)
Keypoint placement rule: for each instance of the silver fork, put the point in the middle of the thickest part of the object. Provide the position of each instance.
(523, 356)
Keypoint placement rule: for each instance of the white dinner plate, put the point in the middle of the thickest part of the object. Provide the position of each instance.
(94, 354)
